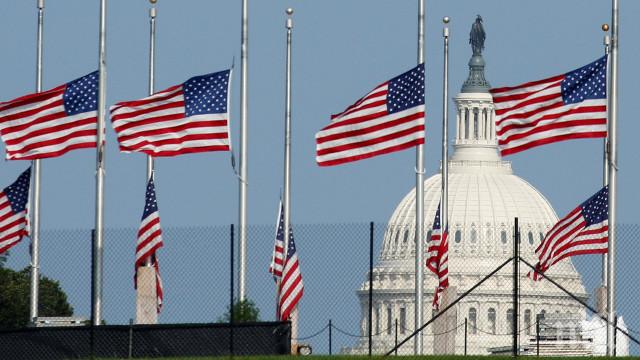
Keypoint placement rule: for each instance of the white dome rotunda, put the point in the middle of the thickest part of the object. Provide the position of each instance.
(484, 198)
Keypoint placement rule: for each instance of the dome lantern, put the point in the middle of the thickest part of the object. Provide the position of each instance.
(475, 119)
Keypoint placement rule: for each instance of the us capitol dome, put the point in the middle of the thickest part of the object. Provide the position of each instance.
(484, 198)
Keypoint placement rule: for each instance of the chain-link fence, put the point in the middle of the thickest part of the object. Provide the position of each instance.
(334, 311)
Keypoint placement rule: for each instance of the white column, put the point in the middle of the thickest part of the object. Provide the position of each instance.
(472, 125)
(458, 124)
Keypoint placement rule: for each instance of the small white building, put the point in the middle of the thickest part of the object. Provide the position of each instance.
(484, 198)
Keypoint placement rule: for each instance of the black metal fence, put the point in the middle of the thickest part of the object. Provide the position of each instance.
(334, 311)
(145, 341)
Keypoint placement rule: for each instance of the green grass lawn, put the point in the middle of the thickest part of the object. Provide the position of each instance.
(339, 357)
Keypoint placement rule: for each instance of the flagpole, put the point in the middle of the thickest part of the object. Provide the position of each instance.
(152, 72)
(444, 213)
(419, 265)
(286, 196)
(613, 159)
(242, 174)
(96, 313)
(35, 224)
(605, 170)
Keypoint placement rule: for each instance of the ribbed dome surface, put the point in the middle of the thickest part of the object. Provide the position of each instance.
(484, 199)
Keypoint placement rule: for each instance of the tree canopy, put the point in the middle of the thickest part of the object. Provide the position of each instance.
(14, 297)
(243, 311)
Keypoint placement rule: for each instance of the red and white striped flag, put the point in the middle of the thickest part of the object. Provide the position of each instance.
(51, 123)
(150, 239)
(187, 118)
(277, 259)
(563, 107)
(290, 288)
(438, 257)
(389, 118)
(14, 217)
(585, 230)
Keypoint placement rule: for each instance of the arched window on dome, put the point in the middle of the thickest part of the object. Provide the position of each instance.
(540, 317)
(527, 322)
(491, 320)
(541, 237)
(389, 319)
(474, 236)
(405, 240)
(428, 237)
(403, 320)
(510, 321)
(530, 238)
(473, 320)
(457, 236)
(503, 237)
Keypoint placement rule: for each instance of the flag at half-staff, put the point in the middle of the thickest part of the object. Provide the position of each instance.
(14, 220)
(388, 119)
(563, 107)
(187, 118)
(277, 259)
(286, 271)
(438, 257)
(51, 123)
(583, 231)
(150, 239)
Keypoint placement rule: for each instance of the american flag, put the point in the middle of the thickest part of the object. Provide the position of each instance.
(14, 219)
(51, 123)
(389, 118)
(583, 231)
(277, 259)
(150, 238)
(187, 118)
(438, 257)
(563, 107)
(291, 287)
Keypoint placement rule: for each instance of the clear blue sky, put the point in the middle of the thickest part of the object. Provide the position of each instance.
(341, 50)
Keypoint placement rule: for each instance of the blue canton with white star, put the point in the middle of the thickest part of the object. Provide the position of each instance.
(436, 221)
(151, 204)
(18, 192)
(280, 233)
(588, 82)
(81, 95)
(291, 248)
(206, 94)
(406, 90)
(596, 209)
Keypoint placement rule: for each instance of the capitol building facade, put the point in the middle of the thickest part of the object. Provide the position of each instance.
(484, 198)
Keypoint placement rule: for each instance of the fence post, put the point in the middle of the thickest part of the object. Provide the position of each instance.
(516, 262)
(231, 267)
(330, 326)
(537, 337)
(465, 336)
(396, 343)
(130, 338)
(370, 287)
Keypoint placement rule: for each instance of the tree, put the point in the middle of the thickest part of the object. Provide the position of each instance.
(243, 311)
(14, 297)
